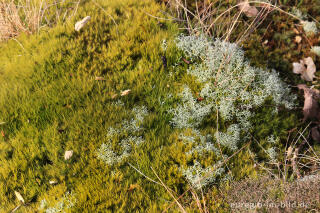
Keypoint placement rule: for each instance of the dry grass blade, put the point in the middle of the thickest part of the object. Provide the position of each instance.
(30, 16)
(210, 21)
(168, 190)
(144, 174)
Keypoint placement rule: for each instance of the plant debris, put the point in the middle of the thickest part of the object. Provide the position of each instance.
(298, 39)
(125, 92)
(306, 68)
(311, 106)
(19, 196)
(249, 11)
(98, 78)
(80, 24)
(53, 182)
(68, 154)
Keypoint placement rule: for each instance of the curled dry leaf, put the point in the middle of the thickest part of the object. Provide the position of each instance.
(125, 92)
(250, 11)
(311, 106)
(306, 68)
(68, 154)
(19, 196)
(80, 24)
(289, 151)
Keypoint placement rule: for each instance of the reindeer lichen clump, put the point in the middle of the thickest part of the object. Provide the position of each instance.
(231, 89)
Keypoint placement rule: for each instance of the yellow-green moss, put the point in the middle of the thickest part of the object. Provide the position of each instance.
(51, 103)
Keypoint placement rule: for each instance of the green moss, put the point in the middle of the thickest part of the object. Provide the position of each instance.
(51, 103)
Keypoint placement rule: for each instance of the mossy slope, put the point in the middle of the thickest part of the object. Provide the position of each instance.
(51, 103)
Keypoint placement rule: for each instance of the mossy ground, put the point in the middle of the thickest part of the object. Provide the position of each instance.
(51, 103)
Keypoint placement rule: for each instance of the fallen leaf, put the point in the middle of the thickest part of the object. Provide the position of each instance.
(250, 11)
(53, 182)
(296, 31)
(68, 154)
(97, 78)
(19, 196)
(306, 68)
(133, 186)
(311, 106)
(298, 39)
(80, 24)
(125, 92)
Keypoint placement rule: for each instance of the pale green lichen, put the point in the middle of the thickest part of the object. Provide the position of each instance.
(316, 50)
(128, 130)
(66, 202)
(310, 27)
(231, 87)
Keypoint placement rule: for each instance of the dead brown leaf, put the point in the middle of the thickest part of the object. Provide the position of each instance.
(306, 68)
(311, 106)
(133, 187)
(250, 11)
(296, 31)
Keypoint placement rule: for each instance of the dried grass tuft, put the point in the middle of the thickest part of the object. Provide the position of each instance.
(29, 16)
